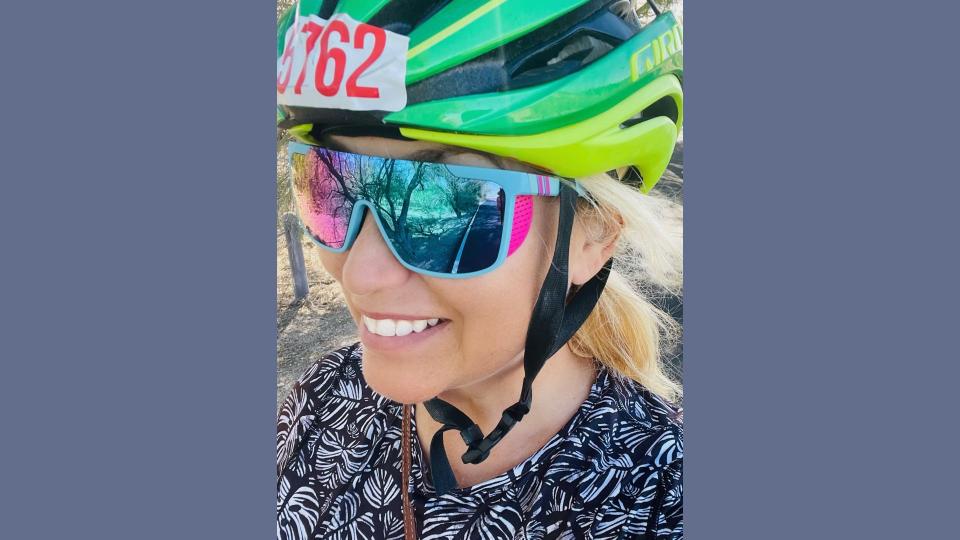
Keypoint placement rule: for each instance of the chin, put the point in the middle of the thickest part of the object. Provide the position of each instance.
(398, 381)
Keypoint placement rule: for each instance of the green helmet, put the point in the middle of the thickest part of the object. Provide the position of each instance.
(575, 87)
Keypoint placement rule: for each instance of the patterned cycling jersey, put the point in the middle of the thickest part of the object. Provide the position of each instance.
(613, 471)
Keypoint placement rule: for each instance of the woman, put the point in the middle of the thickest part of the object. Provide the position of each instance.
(477, 271)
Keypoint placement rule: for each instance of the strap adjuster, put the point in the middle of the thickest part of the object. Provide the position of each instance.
(472, 435)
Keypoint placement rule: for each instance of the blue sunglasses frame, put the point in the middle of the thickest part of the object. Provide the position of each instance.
(513, 183)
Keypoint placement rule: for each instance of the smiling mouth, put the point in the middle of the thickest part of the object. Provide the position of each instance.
(398, 327)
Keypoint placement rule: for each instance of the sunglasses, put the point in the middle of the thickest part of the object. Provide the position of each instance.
(440, 220)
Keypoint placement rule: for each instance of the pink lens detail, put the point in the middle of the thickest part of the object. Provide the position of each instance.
(522, 216)
(323, 208)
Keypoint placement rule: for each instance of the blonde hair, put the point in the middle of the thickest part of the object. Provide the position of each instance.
(626, 331)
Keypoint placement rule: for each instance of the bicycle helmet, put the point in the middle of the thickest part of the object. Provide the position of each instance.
(572, 87)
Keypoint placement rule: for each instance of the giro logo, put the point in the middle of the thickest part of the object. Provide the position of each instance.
(342, 64)
(656, 52)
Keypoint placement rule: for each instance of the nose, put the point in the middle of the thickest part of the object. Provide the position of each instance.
(370, 265)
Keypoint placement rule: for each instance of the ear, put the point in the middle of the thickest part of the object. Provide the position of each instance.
(589, 250)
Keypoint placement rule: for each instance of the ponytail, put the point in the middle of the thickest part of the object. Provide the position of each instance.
(626, 331)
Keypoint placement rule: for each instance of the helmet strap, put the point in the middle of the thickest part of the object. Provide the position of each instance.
(552, 324)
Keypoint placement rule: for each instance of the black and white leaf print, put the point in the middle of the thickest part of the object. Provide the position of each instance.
(630, 491)
(299, 515)
(380, 488)
(391, 526)
(283, 492)
(666, 448)
(338, 458)
(611, 518)
(349, 371)
(345, 511)
(293, 422)
(338, 414)
(472, 518)
(349, 520)
(339, 454)
(497, 521)
(532, 530)
(562, 496)
(583, 522)
(527, 492)
(329, 365)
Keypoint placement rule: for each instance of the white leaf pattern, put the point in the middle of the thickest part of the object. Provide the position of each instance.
(380, 488)
(338, 460)
(299, 515)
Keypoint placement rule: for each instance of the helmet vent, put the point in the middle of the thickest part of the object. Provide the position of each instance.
(326, 8)
(665, 106)
(570, 51)
(561, 59)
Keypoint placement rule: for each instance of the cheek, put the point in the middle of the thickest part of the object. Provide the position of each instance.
(331, 262)
(493, 314)
(495, 308)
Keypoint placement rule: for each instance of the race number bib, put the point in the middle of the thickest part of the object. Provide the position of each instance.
(342, 64)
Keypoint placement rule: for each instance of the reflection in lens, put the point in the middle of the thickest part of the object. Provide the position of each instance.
(435, 220)
(324, 205)
(440, 222)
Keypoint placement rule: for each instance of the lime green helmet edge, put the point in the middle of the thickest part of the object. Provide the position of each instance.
(623, 109)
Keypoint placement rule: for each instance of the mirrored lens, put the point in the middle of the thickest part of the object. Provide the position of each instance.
(440, 222)
(324, 204)
(434, 220)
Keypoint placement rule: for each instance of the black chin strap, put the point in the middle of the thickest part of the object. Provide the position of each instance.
(552, 324)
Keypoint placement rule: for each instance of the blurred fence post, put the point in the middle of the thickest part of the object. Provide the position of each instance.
(291, 227)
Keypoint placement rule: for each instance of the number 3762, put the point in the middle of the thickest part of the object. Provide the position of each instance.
(335, 43)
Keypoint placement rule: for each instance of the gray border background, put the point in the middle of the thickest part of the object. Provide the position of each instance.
(821, 270)
(138, 315)
(138, 295)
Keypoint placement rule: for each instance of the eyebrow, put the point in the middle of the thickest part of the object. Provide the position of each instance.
(430, 154)
(438, 155)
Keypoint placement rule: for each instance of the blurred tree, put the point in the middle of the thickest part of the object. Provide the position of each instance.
(643, 7)
(282, 5)
(460, 194)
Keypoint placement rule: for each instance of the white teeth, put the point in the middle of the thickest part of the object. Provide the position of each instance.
(397, 328)
(404, 328)
(387, 327)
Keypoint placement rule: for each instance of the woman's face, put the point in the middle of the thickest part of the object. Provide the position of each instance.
(483, 319)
